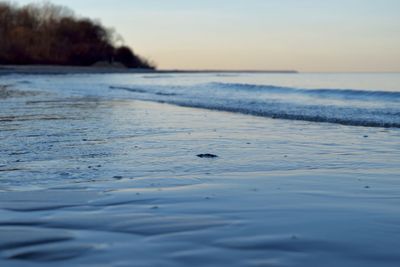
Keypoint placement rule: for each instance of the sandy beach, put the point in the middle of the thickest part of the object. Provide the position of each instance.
(95, 181)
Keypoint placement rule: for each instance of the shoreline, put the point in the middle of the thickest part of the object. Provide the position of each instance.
(91, 178)
(49, 69)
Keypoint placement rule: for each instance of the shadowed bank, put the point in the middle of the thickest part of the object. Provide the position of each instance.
(53, 35)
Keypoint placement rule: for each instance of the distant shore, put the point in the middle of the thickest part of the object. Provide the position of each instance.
(43, 69)
(39, 69)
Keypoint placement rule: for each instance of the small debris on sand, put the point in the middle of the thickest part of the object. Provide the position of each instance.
(207, 156)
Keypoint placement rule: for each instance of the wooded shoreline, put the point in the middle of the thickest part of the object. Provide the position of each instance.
(49, 69)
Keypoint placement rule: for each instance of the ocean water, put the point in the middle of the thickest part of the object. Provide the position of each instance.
(102, 170)
(353, 99)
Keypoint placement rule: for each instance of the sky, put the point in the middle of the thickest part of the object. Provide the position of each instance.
(303, 35)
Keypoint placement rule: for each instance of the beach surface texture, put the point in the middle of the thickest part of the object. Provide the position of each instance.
(213, 169)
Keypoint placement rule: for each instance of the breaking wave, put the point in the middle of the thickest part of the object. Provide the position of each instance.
(342, 106)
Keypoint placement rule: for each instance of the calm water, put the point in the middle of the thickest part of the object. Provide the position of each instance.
(353, 99)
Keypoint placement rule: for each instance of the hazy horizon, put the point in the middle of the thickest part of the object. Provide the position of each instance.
(307, 36)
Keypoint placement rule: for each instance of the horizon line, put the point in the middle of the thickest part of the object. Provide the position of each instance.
(226, 71)
(266, 71)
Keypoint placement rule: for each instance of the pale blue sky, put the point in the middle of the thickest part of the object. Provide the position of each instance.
(306, 35)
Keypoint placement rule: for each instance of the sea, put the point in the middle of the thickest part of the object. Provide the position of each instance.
(358, 99)
(200, 169)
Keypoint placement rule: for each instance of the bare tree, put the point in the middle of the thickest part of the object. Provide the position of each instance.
(50, 34)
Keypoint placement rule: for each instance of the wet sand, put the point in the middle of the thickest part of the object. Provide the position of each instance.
(92, 182)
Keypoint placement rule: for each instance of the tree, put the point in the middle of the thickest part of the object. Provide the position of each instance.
(126, 56)
(51, 34)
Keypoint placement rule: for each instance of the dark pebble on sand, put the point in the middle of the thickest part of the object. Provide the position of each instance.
(207, 156)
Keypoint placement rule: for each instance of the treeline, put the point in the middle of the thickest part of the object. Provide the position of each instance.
(52, 35)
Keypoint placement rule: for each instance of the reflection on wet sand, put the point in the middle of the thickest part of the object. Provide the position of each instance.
(88, 180)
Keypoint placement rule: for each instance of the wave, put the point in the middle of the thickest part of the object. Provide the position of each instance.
(371, 108)
(342, 93)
